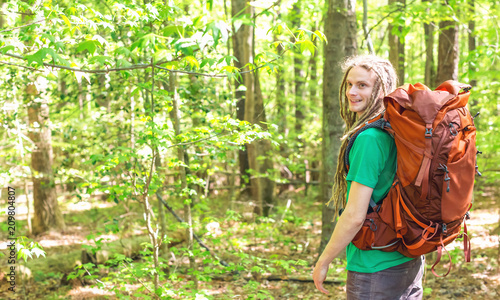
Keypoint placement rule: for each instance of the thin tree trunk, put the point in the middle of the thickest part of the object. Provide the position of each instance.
(299, 75)
(161, 213)
(472, 45)
(47, 214)
(263, 149)
(25, 181)
(430, 72)
(262, 187)
(448, 52)
(148, 210)
(1, 16)
(81, 96)
(241, 41)
(365, 27)
(28, 205)
(281, 110)
(313, 75)
(350, 36)
(397, 47)
(175, 115)
(281, 105)
(340, 15)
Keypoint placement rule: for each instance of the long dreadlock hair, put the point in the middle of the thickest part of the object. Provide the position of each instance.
(386, 82)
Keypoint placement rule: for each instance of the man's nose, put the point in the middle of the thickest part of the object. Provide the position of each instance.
(353, 90)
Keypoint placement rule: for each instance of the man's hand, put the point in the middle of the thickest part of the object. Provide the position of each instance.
(319, 275)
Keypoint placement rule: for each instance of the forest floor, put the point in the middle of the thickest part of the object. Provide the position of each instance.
(272, 245)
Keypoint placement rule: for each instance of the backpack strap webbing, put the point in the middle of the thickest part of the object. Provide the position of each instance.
(380, 123)
(371, 207)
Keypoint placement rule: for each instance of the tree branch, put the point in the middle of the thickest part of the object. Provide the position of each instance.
(26, 25)
(96, 71)
(385, 17)
(133, 67)
(365, 27)
(20, 66)
(273, 5)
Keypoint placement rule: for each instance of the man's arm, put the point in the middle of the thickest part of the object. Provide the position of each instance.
(347, 227)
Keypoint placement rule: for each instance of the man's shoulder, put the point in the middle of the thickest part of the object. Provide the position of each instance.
(375, 134)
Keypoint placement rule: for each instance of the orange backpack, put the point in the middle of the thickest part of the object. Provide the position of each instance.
(431, 195)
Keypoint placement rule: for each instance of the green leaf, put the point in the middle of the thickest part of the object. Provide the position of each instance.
(192, 62)
(210, 4)
(38, 252)
(102, 60)
(320, 35)
(307, 46)
(172, 29)
(66, 20)
(6, 49)
(90, 46)
(49, 37)
(230, 69)
(42, 53)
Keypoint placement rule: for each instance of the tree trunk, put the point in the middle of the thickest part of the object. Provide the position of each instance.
(430, 72)
(298, 75)
(162, 221)
(350, 36)
(241, 41)
(281, 103)
(448, 52)
(1, 16)
(261, 148)
(47, 214)
(472, 46)
(313, 75)
(397, 48)
(368, 39)
(262, 188)
(340, 15)
(175, 116)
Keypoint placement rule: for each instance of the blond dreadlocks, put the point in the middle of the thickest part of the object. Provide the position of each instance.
(386, 82)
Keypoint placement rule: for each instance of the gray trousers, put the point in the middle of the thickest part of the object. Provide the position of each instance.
(399, 282)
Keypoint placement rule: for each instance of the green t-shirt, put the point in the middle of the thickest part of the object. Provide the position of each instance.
(372, 162)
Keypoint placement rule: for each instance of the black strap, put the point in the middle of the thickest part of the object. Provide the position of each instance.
(372, 206)
(380, 123)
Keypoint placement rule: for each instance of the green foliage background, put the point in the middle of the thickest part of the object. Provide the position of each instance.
(110, 110)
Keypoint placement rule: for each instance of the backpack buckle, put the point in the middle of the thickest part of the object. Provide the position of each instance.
(453, 130)
(444, 228)
(373, 226)
(428, 131)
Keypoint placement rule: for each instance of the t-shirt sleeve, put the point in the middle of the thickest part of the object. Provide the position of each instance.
(368, 157)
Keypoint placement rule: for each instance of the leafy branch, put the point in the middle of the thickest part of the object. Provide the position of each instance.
(135, 67)
(22, 26)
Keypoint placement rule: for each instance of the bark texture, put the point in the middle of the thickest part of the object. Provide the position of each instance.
(241, 39)
(430, 72)
(448, 52)
(341, 42)
(47, 214)
(397, 46)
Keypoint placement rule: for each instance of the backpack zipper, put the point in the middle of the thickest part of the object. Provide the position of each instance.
(433, 161)
(446, 177)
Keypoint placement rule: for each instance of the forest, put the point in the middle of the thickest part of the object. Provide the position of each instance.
(185, 149)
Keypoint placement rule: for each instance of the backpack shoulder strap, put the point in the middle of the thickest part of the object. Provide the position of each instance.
(380, 123)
